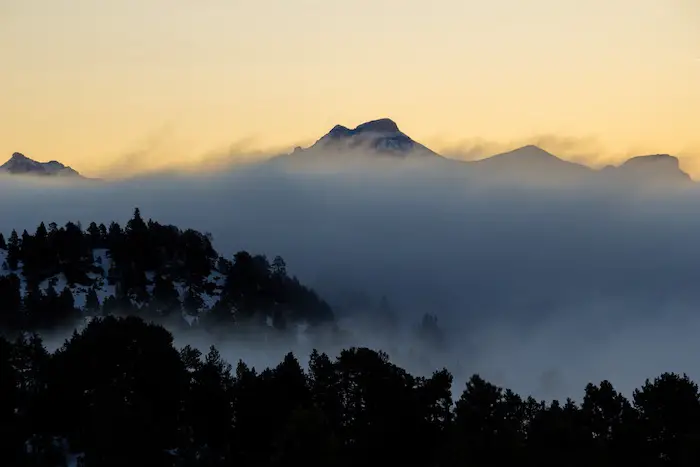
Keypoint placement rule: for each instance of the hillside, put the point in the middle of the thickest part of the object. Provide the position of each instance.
(56, 276)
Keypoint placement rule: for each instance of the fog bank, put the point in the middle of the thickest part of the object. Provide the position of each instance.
(538, 288)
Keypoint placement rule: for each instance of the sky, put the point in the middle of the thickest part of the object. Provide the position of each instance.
(128, 86)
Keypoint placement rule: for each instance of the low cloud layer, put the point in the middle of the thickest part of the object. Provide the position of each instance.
(539, 289)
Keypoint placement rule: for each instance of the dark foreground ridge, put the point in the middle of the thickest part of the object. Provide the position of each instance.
(119, 393)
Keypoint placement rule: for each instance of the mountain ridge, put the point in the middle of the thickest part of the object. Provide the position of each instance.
(382, 140)
(526, 163)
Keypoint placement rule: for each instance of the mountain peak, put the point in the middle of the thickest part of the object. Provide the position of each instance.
(339, 131)
(19, 164)
(18, 156)
(376, 136)
(532, 164)
(382, 125)
(663, 168)
(524, 155)
(531, 151)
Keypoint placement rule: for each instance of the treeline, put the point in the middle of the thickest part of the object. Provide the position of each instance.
(155, 271)
(119, 393)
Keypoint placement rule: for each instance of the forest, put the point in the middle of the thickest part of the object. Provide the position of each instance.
(144, 269)
(119, 391)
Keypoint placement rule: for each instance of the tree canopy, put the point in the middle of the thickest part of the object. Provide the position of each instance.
(148, 270)
(119, 393)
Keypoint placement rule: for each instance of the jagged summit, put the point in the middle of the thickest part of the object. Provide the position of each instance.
(383, 125)
(381, 128)
(381, 136)
(339, 131)
(19, 164)
(375, 141)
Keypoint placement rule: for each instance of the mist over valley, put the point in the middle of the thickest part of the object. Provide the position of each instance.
(543, 274)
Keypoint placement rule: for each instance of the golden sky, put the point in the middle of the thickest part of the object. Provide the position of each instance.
(123, 85)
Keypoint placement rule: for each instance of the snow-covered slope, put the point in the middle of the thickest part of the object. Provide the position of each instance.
(103, 289)
(382, 136)
(210, 292)
(19, 164)
(377, 142)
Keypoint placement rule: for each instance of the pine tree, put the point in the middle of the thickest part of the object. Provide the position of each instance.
(50, 294)
(279, 267)
(26, 245)
(136, 224)
(10, 302)
(92, 303)
(110, 305)
(41, 233)
(95, 235)
(192, 302)
(40, 257)
(33, 306)
(103, 234)
(66, 307)
(3, 244)
(13, 251)
(114, 235)
(165, 298)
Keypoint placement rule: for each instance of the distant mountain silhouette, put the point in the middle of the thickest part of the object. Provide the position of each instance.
(381, 143)
(531, 163)
(19, 164)
(376, 140)
(382, 136)
(655, 169)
